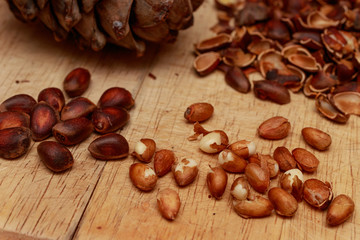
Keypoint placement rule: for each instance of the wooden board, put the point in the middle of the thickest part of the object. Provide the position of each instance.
(96, 200)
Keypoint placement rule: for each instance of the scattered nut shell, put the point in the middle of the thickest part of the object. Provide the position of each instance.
(240, 188)
(206, 63)
(316, 138)
(216, 181)
(163, 161)
(55, 156)
(185, 171)
(258, 208)
(168, 202)
(306, 161)
(144, 150)
(274, 128)
(142, 176)
(198, 112)
(340, 210)
(110, 146)
(317, 194)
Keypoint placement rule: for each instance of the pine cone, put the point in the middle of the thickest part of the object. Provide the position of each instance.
(127, 23)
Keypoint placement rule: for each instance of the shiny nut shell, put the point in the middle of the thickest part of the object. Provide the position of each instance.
(274, 128)
(55, 156)
(163, 161)
(258, 208)
(316, 138)
(19, 103)
(198, 112)
(185, 171)
(109, 119)
(14, 142)
(43, 118)
(109, 147)
(77, 82)
(142, 176)
(73, 131)
(284, 203)
(340, 210)
(77, 107)
(116, 97)
(271, 90)
(168, 202)
(306, 161)
(216, 181)
(54, 97)
(14, 119)
(317, 194)
(144, 150)
(257, 177)
(284, 158)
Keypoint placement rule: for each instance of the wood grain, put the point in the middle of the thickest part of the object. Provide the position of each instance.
(96, 200)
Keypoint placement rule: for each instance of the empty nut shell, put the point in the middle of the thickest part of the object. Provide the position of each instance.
(144, 150)
(305, 160)
(230, 162)
(77, 82)
(42, 119)
(19, 103)
(14, 142)
(257, 177)
(168, 202)
(274, 128)
(216, 181)
(240, 188)
(206, 63)
(14, 119)
(198, 112)
(142, 176)
(340, 210)
(317, 194)
(55, 156)
(185, 171)
(73, 131)
(284, 203)
(316, 138)
(258, 208)
(54, 97)
(109, 119)
(116, 97)
(284, 158)
(163, 161)
(109, 147)
(77, 107)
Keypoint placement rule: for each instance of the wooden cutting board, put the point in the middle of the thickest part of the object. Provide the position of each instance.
(96, 200)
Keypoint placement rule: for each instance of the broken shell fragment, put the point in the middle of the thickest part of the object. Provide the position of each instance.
(326, 109)
(317, 194)
(347, 102)
(206, 63)
(307, 63)
(237, 57)
(215, 43)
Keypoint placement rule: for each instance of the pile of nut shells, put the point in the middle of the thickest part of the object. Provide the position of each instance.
(22, 118)
(277, 46)
(285, 167)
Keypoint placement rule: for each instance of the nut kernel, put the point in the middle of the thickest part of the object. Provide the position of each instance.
(243, 148)
(216, 181)
(317, 194)
(292, 181)
(142, 176)
(168, 202)
(257, 208)
(214, 142)
(231, 162)
(144, 150)
(340, 210)
(240, 189)
(198, 112)
(163, 161)
(284, 203)
(305, 160)
(274, 128)
(316, 138)
(185, 171)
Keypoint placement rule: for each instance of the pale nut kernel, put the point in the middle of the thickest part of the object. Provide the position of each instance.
(144, 150)
(142, 176)
(216, 181)
(274, 128)
(163, 161)
(317, 194)
(257, 208)
(292, 181)
(340, 210)
(284, 203)
(257, 177)
(240, 188)
(168, 202)
(243, 148)
(284, 158)
(185, 171)
(214, 142)
(306, 161)
(231, 162)
(316, 138)
(198, 112)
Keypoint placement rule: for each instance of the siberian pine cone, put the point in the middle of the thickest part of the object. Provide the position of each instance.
(127, 23)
